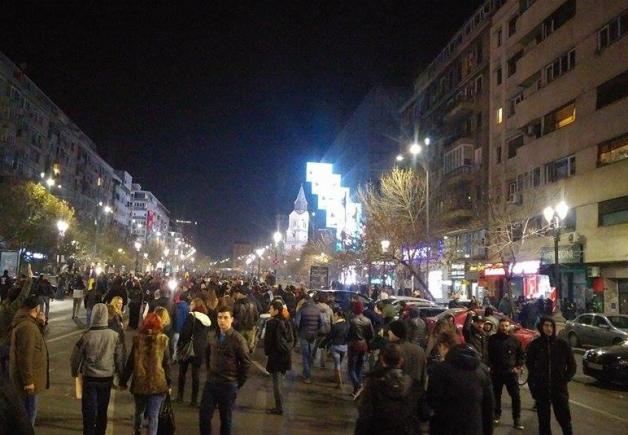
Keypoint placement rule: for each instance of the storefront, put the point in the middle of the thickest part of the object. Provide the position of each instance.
(525, 278)
(573, 273)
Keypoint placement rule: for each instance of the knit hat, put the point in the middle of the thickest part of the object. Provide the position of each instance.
(398, 328)
(358, 308)
(31, 302)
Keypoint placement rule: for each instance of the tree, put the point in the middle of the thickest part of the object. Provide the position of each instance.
(394, 210)
(28, 216)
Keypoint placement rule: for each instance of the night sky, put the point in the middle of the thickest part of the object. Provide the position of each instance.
(216, 110)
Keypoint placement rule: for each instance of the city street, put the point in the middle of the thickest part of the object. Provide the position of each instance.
(310, 409)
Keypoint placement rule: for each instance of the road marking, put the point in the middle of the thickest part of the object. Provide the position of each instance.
(604, 413)
(61, 337)
(111, 412)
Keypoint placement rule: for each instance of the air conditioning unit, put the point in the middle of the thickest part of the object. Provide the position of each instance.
(575, 237)
(517, 198)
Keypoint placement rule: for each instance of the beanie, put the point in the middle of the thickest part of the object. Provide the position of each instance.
(358, 308)
(398, 328)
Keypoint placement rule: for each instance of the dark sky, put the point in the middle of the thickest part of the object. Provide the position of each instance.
(217, 109)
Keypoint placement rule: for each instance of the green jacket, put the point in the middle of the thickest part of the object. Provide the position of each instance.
(8, 310)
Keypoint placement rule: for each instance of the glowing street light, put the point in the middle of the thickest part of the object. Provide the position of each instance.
(108, 209)
(50, 182)
(427, 141)
(138, 246)
(120, 250)
(554, 217)
(166, 252)
(399, 158)
(62, 226)
(172, 284)
(277, 238)
(415, 149)
(145, 255)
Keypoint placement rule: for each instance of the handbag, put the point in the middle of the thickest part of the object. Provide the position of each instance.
(187, 351)
(166, 424)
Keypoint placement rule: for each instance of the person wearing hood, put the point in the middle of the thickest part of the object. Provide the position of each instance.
(389, 402)
(551, 365)
(278, 344)
(28, 357)
(414, 361)
(460, 375)
(475, 335)
(97, 356)
(195, 329)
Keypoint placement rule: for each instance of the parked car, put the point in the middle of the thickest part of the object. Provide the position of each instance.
(593, 329)
(609, 363)
(341, 298)
(409, 300)
(524, 335)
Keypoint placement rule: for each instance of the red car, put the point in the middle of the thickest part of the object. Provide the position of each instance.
(524, 335)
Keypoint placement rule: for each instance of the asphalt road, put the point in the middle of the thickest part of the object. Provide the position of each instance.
(315, 408)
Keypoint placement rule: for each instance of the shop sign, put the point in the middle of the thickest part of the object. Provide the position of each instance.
(566, 254)
(526, 267)
(457, 271)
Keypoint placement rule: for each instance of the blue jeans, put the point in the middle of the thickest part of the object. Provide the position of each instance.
(223, 396)
(45, 305)
(355, 363)
(338, 352)
(149, 405)
(30, 403)
(96, 394)
(307, 352)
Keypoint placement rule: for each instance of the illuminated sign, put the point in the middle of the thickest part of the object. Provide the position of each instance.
(526, 267)
(457, 271)
(317, 171)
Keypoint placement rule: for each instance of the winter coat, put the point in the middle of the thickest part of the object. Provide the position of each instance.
(278, 345)
(181, 311)
(149, 364)
(43, 288)
(8, 310)
(196, 328)
(326, 318)
(338, 334)
(389, 404)
(417, 331)
(245, 315)
(414, 360)
(478, 340)
(504, 353)
(462, 380)
(360, 333)
(376, 319)
(99, 352)
(228, 357)
(28, 357)
(308, 320)
(12, 412)
(117, 290)
(290, 300)
(551, 364)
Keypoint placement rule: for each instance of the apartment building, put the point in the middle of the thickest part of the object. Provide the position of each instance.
(559, 131)
(149, 217)
(450, 106)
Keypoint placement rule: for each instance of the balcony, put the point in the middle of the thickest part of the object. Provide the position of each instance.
(457, 215)
(462, 174)
(458, 109)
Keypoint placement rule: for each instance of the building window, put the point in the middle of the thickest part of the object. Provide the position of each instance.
(512, 63)
(613, 212)
(498, 37)
(560, 66)
(613, 31)
(478, 85)
(514, 145)
(535, 177)
(613, 90)
(500, 115)
(613, 150)
(560, 169)
(498, 75)
(499, 154)
(512, 190)
(559, 118)
(563, 14)
(512, 25)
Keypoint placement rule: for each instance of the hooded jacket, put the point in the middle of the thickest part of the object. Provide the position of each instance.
(504, 353)
(9, 308)
(28, 357)
(389, 404)
(98, 353)
(195, 327)
(472, 394)
(550, 362)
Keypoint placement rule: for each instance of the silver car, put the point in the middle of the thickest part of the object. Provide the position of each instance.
(592, 329)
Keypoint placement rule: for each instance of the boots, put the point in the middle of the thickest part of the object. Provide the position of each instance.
(338, 378)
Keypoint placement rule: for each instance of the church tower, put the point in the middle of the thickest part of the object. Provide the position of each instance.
(298, 223)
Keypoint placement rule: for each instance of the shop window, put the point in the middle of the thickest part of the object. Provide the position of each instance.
(559, 118)
(514, 145)
(613, 150)
(613, 31)
(613, 90)
(613, 212)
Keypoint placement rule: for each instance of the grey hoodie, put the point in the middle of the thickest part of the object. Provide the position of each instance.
(98, 353)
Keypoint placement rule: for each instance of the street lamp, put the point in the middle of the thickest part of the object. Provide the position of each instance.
(50, 182)
(399, 157)
(415, 149)
(259, 252)
(554, 217)
(62, 226)
(385, 245)
(138, 248)
(277, 238)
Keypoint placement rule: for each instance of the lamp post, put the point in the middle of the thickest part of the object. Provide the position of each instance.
(385, 245)
(259, 252)
(138, 248)
(277, 239)
(62, 226)
(415, 150)
(554, 217)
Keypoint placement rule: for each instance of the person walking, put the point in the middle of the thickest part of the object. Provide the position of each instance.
(416, 327)
(97, 357)
(194, 330)
(227, 371)
(505, 357)
(414, 360)
(8, 307)
(246, 317)
(460, 375)
(308, 321)
(551, 365)
(149, 365)
(326, 314)
(389, 403)
(181, 311)
(475, 335)
(43, 289)
(336, 340)
(278, 344)
(360, 335)
(28, 356)
(116, 323)
(78, 288)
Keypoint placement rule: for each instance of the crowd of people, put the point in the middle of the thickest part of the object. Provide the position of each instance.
(402, 375)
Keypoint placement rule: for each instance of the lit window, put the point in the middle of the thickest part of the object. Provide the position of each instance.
(566, 115)
(613, 150)
(500, 115)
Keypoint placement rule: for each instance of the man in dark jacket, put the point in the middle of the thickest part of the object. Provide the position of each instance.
(360, 336)
(227, 371)
(278, 344)
(414, 360)
(308, 321)
(505, 357)
(551, 365)
(43, 289)
(246, 317)
(475, 336)
(389, 403)
(460, 375)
